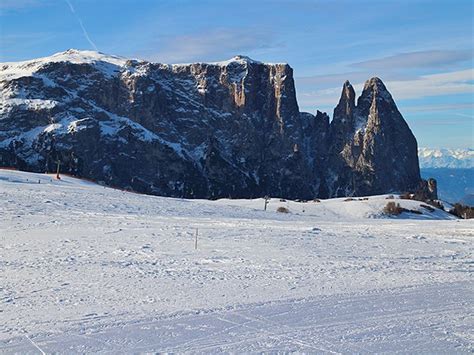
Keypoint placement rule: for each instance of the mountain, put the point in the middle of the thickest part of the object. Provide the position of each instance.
(371, 148)
(207, 130)
(446, 158)
(453, 169)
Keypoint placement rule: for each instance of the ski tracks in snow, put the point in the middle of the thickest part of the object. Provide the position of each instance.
(428, 319)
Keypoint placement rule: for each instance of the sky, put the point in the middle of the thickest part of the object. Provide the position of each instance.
(422, 49)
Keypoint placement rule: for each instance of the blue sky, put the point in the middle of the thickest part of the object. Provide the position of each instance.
(422, 50)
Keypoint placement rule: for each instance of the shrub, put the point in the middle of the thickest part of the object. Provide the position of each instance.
(316, 200)
(389, 197)
(462, 211)
(393, 209)
(282, 209)
(421, 198)
(349, 199)
(435, 203)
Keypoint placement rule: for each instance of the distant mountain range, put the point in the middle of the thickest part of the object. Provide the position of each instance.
(454, 171)
(446, 158)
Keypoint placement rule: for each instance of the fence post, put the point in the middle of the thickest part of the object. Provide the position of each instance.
(57, 170)
(196, 240)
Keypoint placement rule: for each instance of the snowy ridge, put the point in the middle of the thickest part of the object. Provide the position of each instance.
(446, 158)
(239, 59)
(335, 209)
(13, 70)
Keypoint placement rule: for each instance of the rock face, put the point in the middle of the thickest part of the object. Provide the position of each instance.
(228, 129)
(427, 190)
(371, 148)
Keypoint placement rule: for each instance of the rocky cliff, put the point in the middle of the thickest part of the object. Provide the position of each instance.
(371, 148)
(227, 129)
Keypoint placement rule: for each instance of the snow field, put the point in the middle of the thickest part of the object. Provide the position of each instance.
(85, 268)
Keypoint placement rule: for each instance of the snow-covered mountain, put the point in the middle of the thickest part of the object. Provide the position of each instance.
(446, 158)
(453, 169)
(202, 130)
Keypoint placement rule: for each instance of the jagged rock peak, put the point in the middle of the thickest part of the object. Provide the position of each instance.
(375, 88)
(361, 139)
(346, 103)
(348, 93)
(375, 84)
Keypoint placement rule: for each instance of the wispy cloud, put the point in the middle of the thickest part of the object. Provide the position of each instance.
(449, 83)
(84, 31)
(402, 74)
(441, 107)
(396, 67)
(457, 82)
(421, 59)
(444, 121)
(464, 115)
(217, 44)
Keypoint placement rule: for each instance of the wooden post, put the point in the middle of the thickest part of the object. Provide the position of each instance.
(266, 202)
(196, 240)
(57, 170)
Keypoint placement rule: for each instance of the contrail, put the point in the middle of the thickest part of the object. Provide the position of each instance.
(82, 26)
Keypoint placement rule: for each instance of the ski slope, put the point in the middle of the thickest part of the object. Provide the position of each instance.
(85, 268)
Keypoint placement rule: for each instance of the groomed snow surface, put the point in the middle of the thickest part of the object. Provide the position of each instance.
(85, 268)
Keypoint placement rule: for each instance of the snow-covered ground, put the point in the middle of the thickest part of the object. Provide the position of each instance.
(85, 268)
